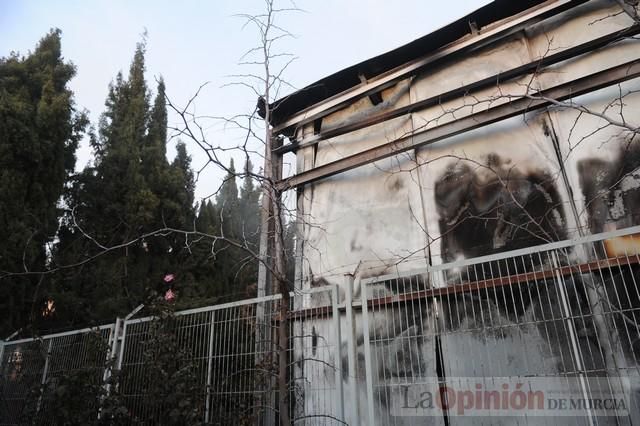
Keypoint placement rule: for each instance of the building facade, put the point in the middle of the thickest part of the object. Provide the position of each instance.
(514, 127)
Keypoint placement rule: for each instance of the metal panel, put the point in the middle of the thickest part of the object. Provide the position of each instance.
(318, 395)
(30, 370)
(602, 161)
(438, 96)
(592, 82)
(465, 45)
(371, 416)
(363, 204)
(485, 198)
(535, 321)
(145, 369)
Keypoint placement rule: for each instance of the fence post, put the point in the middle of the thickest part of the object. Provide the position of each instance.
(572, 333)
(122, 341)
(367, 355)
(112, 355)
(338, 352)
(45, 370)
(113, 348)
(207, 409)
(265, 398)
(350, 327)
(124, 333)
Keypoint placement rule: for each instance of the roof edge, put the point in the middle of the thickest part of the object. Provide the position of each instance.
(347, 78)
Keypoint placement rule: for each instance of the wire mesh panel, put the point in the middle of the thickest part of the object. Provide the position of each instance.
(22, 374)
(317, 396)
(76, 362)
(399, 350)
(516, 328)
(201, 365)
(560, 318)
(546, 314)
(243, 363)
(35, 370)
(163, 367)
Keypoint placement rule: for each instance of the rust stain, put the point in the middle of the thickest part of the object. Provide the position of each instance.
(623, 246)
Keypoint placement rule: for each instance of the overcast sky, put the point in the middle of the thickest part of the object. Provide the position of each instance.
(192, 42)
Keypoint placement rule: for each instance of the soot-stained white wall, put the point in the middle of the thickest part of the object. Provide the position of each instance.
(546, 176)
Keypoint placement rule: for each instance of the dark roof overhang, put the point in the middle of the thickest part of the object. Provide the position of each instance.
(352, 76)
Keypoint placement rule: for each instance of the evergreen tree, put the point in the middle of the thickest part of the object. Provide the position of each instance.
(206, 218)
(113, 203)
(249, 226)
(154, 151)
(250, 205)
(230, 259)
(205, 265)
(178, 213)
(39, 134)
(130, 191)
(227, 202)
(237, 217)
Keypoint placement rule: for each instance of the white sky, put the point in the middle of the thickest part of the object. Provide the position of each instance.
(192, 42)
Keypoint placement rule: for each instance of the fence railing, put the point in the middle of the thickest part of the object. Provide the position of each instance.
(28, 365)
(561, 317)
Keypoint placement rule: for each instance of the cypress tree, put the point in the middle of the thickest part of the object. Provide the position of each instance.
(131, 190)
(227, 200)
(250, 205)
(120, 206)
(249, 226)
(39, 133)
(228, 209)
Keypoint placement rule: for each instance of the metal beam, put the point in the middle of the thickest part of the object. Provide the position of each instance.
(497, 78)
(471, 286)
(592, 82)
(464, 45)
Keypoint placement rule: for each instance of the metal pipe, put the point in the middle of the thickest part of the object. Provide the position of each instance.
(337, 357)
(368, 365)
(122, 343)
(111, 355)
(577, 358)
(66, 333)
(43, 381)
(207, 410)
(350, 326)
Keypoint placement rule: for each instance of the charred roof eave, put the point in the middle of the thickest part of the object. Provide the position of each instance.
(350, 77)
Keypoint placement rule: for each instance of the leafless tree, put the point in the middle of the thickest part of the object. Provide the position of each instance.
(265, 79)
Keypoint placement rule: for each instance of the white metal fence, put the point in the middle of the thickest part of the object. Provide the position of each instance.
(30, 364)
(363, 351)
(565, 312)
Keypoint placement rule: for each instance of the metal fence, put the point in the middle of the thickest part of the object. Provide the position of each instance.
(31, 368)
(218, 347)
(563, 315)
(226, 364)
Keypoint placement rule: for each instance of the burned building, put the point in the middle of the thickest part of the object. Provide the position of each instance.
(460, 186)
